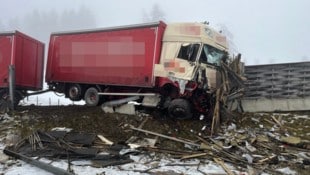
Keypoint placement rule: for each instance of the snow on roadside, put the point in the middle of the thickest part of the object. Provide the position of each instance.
(83, 168)
(49, 99)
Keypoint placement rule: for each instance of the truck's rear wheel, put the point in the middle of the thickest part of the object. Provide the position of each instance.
(91, 97)
(75, 92)
(180, 109)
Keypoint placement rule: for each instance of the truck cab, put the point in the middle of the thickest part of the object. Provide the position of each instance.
(190, 59)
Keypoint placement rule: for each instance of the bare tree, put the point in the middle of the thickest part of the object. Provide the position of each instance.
(156, 14)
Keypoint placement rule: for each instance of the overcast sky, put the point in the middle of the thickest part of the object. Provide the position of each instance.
(264, 31)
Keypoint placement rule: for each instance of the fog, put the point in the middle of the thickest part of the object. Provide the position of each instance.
(263, 31)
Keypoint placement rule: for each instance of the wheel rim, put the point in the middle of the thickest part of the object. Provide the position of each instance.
(73, 92)
(178, 112)
(92, 97)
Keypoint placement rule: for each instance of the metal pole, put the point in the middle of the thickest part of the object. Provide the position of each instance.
(127, 94)
(12, 85)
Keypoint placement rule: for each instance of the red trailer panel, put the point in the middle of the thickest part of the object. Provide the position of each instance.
(122, 56)
(27, 55)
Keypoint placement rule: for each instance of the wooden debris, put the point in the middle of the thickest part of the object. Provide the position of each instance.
(267, 159)
(137, 142)
(278, 122)
(143, 123)
(216, 113)
(167, 137)
(193, 156)
(291, 140)
(222, 164)
(105, 140)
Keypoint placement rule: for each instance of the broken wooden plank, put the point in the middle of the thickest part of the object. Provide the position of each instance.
(105, 140)
(167, 137)
(193, 156)
(222, 164)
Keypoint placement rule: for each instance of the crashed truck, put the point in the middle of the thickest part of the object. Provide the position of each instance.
(169, 66)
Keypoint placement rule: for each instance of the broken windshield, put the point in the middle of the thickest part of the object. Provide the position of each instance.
(211, 55)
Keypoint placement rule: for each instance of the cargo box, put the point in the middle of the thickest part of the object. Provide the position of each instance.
(27, 55)
(121, 56)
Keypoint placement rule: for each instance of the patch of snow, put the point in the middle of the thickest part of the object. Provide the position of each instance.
(306, 117)
(49, 99)
(231, 127)
(286, 170)
(25, 169)
(141, 163)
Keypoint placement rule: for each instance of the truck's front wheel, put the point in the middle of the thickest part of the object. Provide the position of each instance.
(91, 97)
(180, 109)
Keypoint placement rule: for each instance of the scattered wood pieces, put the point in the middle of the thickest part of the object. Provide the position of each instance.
(222, 164)
(277, 122)
(167, 137)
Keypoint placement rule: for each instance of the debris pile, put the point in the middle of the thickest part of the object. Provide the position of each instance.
(252, 143)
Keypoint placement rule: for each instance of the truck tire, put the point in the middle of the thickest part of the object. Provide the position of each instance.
(75, 92)
(91, 97)
(180, 109)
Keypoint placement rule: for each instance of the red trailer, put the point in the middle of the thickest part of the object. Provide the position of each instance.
(26, 54)
(94, 59)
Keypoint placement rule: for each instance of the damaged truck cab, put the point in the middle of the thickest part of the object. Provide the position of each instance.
(188, 69)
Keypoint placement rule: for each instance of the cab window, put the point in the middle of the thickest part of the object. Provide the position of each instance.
(188, 52)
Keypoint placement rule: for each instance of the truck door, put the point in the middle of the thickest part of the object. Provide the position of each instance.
(183, 66)
(210, 59)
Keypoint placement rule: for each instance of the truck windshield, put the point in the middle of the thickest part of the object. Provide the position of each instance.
(211, 55)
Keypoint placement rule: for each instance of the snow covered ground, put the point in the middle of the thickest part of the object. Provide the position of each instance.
(141, 163)
(49, 99)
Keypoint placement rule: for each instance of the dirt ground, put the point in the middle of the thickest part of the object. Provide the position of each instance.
(116, 127)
